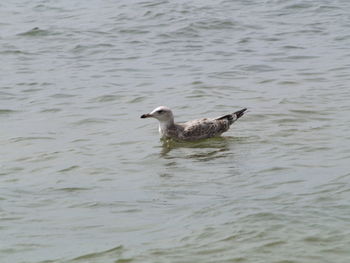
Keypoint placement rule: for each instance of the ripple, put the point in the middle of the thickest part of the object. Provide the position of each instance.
(113, 252)
(7, 111)
(299, 6)
(137, 99)
(89, 121)
(62, 95)
(68, 169)
(15, 52)
(31, 138)
(275, 169)
(259, 68)
(35, 32)
(107, 98)
(51, 110)
(71, 189)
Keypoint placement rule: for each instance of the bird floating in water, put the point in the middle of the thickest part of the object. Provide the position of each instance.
(191, 130)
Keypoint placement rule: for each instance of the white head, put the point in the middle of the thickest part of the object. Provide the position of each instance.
(162, 113)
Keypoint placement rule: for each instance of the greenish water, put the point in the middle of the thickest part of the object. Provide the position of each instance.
(84, 179)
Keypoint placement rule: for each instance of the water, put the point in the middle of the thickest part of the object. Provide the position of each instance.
(83, 179)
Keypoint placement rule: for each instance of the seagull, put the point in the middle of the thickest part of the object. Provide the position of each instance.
(191, 130)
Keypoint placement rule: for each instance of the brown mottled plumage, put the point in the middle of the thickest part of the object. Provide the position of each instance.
(191, 130)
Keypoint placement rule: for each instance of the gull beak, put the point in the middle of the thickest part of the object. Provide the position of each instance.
(147, 115)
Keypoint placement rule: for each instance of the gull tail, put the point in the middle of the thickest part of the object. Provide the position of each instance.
(240, 113)
(233, 116)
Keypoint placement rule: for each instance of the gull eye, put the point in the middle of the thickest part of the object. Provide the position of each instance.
(160, 111)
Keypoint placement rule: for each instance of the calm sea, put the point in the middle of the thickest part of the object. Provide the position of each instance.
(84, 179)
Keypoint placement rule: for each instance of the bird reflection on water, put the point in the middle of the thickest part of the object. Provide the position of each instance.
(203, 150)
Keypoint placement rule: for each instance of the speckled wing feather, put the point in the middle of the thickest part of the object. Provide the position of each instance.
(204, 128)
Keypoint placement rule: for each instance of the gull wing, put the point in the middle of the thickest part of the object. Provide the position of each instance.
(204, 128)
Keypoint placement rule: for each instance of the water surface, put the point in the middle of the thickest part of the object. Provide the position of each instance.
(83, 179)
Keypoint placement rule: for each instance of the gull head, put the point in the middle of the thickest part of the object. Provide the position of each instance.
(161, 113)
